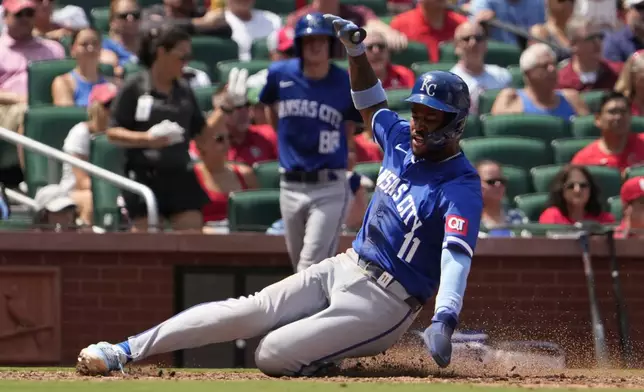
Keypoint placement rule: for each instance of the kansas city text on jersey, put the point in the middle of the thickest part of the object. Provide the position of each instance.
(310, 109)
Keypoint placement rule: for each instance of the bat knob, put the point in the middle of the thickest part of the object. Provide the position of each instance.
(358, 36)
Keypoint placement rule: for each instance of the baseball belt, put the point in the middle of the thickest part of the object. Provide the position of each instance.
(314, 177)
(385, 280)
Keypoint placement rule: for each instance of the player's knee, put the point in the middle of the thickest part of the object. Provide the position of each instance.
(268, 359)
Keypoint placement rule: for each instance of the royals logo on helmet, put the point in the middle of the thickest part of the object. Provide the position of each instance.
(456, 224)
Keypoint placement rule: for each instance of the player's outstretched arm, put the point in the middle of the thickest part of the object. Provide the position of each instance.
(366, 90)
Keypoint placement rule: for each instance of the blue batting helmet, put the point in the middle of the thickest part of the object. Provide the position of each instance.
(312, 24)
(446, 92)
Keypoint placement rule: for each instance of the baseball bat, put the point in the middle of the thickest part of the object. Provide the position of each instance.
(625, 343)
(358, 35)
(601, 352)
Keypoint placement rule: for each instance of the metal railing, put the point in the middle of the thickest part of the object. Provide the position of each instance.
(96, 171)
(22, 199)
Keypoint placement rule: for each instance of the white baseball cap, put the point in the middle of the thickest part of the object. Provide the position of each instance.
(53, 199)
(632, 3)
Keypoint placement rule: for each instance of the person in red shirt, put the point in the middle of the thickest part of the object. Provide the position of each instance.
(430, 23)
(392, 76)
(632, 195)
(217, 176)
(358, 14)
(617, 147)
(631, 82)
(366, 150)
(574, 197)
(248, 143)
(587, 70)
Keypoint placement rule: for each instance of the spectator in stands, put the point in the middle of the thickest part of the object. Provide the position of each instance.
(496, 215)
(360, 15)
(521, 13)
(392, 76)
(219, 177)
(246, 143)
(430, 23)
(471, 46)
(154, 116)
(631, 82)
(77, 182)
(365, 148)
(249, 24)
(185, 15)
(619, 45)
(558, 13)
(539, 66)
(617, 147)
(55, 211)
(601, 13)
(587, 70)
(44, 26)
(574, 197)
(632, 195)
(74, 87)
(123, 39)
(18, 47)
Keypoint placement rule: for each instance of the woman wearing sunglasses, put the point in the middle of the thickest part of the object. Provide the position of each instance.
(495, 212)
(574, 197)
(76, 182)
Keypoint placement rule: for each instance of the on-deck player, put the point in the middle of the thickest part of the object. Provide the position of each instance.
(309, 104)
(417, 238)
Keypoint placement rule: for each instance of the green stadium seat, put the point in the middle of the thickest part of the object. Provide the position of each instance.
(608, 179)
(565, 149)
(615, 207)
(396, 99)
(101, 19)
(8, 155)
(517, 76)
(386, 19)
(634, 171)
(277, 6)
(41, 75)
(344, 64)
(422, 67)
(532, 204)
(15, 225)
(593, 99)
(104, 195)
(368, 169)
(486, 100)
(473, 127)
(259, 50)
(414, 53)
(527, 125)
(379, 7)
(585, 127)
(498, 53)
(517, 151)
(405, 114)
(49, 125)
(518, 181)
(204, 97)
(268, 174)
(212, 50)
(201, 66)
(253, 66)
(253, 210)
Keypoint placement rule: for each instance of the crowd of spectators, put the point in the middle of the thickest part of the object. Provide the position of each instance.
(577, 47)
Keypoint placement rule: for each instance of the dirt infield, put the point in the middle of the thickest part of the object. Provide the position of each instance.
(408, 365)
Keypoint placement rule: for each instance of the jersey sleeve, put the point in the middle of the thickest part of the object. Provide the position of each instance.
(462, 209)
(270, 92)
(386, 123)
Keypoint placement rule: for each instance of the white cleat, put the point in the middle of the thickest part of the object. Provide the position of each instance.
(100, 359)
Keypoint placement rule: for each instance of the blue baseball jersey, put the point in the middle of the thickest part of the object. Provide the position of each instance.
(311, 131)
(419, 207)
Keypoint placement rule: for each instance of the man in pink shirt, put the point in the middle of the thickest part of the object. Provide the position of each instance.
(18, 47)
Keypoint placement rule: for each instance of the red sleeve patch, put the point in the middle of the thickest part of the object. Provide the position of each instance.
(456, 225)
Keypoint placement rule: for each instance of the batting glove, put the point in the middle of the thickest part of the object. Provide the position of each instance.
(236, 91)
(344, 29)
(438, 337)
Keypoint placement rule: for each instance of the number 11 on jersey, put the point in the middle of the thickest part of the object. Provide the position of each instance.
(409, 247)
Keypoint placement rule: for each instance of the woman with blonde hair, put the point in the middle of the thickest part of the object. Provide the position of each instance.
(77, 182)
(631, 82)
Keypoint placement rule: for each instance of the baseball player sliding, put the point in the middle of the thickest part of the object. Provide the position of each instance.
(309, 105)
(417, 239)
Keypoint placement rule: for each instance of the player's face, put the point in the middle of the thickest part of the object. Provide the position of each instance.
(576, 189)
(615, 117)
(424, 120)
(315, 49)
(492, 183)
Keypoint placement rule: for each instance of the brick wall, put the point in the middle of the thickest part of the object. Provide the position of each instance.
(111, 295)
